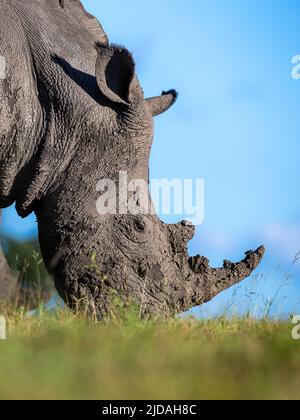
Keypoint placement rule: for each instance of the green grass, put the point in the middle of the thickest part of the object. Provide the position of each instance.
(64, 356)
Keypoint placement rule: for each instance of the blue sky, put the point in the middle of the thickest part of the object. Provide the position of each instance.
(236, 123)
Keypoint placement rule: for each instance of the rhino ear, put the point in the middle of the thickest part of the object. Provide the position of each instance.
(115, 73)
(161, 104)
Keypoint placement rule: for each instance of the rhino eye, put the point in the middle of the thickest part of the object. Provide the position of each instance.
(139, 225)
(137, 229)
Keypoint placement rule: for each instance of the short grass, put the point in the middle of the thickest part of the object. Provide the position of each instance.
(64, 356)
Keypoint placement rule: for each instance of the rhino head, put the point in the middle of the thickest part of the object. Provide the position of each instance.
(92, 122)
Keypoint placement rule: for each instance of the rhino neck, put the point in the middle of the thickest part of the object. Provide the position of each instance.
(68, 216)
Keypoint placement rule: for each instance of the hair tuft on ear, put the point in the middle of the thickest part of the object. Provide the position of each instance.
(160, 104)
(172, 92)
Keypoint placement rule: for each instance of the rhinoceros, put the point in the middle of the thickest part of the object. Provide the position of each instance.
(72, 113)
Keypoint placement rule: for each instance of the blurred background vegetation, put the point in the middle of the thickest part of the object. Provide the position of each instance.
(25, 258)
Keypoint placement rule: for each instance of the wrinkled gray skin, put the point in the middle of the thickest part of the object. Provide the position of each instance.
(72, 113)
